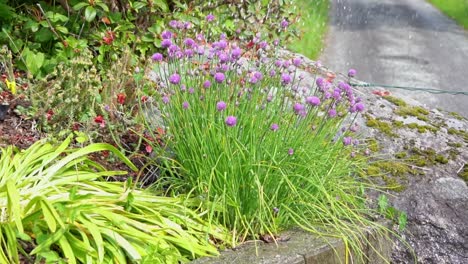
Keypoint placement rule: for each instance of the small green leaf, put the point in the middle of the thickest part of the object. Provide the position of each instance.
(383, 203)
(90, 13)
(62, 29)
(103, 6)
(402, 221)
(162, 4)
(80, 5)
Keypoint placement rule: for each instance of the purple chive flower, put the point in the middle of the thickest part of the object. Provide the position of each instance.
(185, 105)
(165, 43)
(276, 42)
(344, 86)
(286, 64)
(253, 79)
(206, 84)
(298, 108)
(173, 48)
(272, 73)
(187, 25)
(347, 141)
(236, 53)
(320, 82)
(222, 44)
(188, 53)
(189, 42)
(359, 107)
(174, 78)
(220, 106)
(332, 113)
(354, 128)
(223, 57)
(231, 121)
(285, 79)
(297, 61)
(278, 63)
(263, 44)
(165, 99)
(367, 152)
(200, 50)
(191, 90)
(166, 34)
(352, 73)
(274, 127)
(290, 151)
(157, 57)
(200, 37)
(210, 17)
(258, 75)
(173, 23)
(313, 100)
(284, 23)
(336, 94)
(219, 77)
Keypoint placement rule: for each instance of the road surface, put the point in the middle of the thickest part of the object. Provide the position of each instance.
(403, 43)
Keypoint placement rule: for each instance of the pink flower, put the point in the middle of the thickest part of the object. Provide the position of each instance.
(231, 121)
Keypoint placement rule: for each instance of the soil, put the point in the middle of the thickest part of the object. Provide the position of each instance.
(16, 129)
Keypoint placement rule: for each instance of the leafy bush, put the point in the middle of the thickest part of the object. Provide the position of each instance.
(249, 134)
(56, 209)
(43, 34)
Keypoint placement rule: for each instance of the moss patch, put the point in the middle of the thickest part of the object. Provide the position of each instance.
(398, 124)
(422, 128)
(401, 155)
(382, 126)
(426, 157)
(373, 145)
(461, 133)
(396, 168)
(464, 173)
(394, 100)
(456, 115)
(416, 111)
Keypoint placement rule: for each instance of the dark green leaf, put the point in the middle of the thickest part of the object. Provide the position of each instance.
(90, 13)
(44, 35)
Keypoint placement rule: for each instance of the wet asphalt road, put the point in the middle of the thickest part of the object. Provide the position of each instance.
(400, 42)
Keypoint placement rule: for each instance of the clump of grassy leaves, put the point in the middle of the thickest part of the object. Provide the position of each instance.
(264, 149)
(56, 209)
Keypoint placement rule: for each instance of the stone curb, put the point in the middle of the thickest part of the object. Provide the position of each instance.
(302, 248)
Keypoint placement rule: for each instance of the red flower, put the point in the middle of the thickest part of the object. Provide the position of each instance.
(100, 120)
(148, 148)
(121, 98)
(76, 126)
(109, 37)
(144, 98)
(49, 114)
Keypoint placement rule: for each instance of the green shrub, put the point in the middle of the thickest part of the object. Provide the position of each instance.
(55, 208)
(44, 34)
